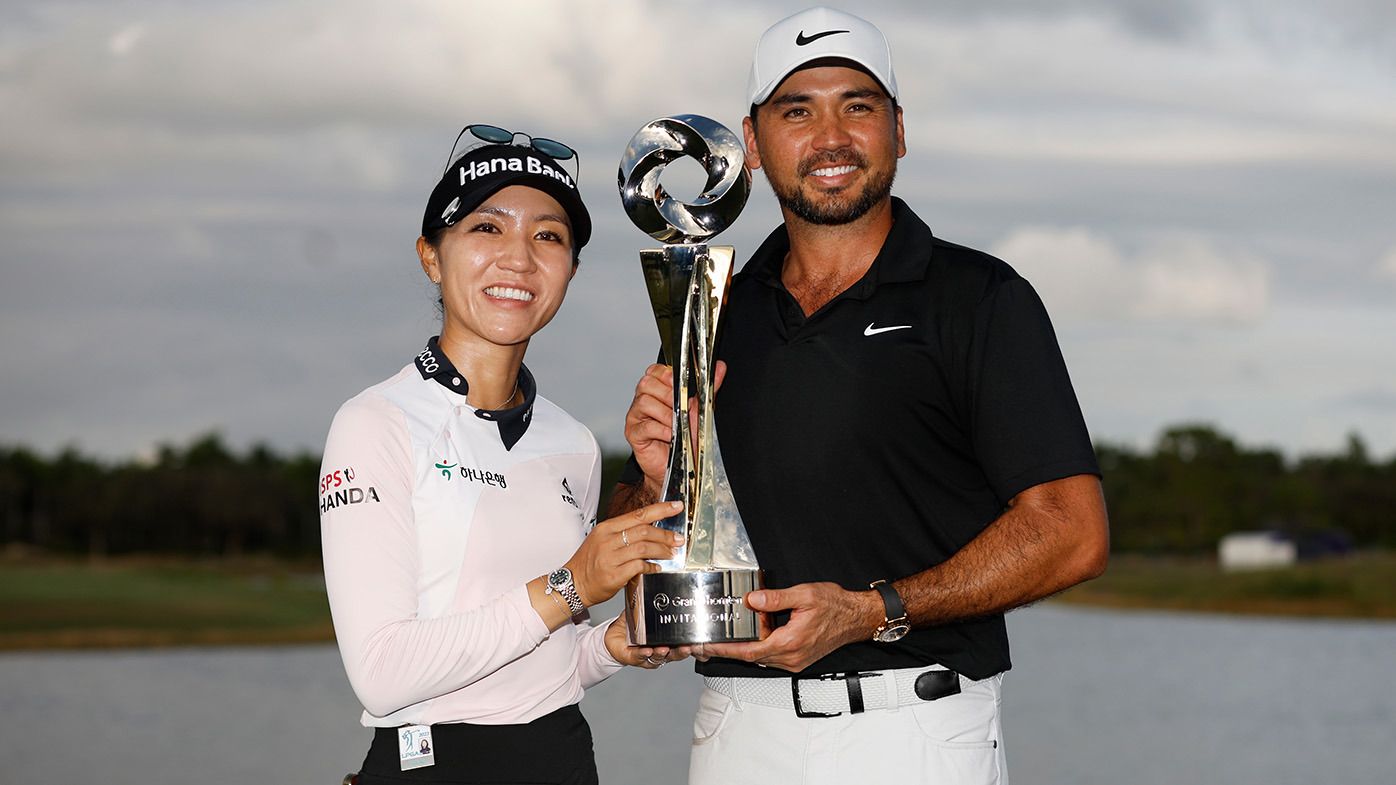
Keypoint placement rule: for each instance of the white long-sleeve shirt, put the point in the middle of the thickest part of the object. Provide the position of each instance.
(433, 517)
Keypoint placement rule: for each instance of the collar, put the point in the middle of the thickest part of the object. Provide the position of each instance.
(433, 364)
(905, 255)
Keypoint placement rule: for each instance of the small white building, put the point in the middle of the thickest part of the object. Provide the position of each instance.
(1256, 550)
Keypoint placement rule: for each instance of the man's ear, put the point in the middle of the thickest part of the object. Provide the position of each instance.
(901, 135)
(753, 155)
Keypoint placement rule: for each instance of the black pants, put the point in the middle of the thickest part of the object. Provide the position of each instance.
(554, 749)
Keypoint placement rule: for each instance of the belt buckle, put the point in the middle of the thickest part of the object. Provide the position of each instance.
(853, 681)
(795, 693)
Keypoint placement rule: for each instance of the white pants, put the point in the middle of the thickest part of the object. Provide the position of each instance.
(955, 740)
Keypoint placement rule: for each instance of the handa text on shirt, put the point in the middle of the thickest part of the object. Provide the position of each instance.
(347, 496)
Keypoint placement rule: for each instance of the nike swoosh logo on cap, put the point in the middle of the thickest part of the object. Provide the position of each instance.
(804, 40)
(870, 330)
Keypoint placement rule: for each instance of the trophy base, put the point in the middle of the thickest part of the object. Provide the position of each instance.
(681, 608)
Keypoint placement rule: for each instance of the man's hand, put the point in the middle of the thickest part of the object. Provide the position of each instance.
(649, 425)
(823, 617)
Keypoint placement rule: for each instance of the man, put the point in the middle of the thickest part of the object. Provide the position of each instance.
(902, 440)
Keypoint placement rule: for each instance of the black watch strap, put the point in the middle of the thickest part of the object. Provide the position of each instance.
(891, 600)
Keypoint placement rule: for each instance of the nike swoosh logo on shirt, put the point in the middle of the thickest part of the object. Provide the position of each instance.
(870, 330)
(804, 40)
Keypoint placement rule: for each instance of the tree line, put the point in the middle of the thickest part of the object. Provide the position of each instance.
(1194, 486)
(1198, 484)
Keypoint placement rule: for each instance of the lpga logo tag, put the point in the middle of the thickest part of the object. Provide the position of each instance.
(414, 747)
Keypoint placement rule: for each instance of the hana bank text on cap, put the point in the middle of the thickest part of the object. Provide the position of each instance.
(481, 172)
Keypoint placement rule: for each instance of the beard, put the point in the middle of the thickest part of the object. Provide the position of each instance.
(839, 207)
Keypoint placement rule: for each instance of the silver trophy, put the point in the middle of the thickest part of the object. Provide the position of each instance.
(697, 596)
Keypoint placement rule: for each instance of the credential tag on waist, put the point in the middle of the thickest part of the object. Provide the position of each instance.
(414, 747)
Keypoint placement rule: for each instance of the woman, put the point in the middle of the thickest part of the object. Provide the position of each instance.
(455, 504)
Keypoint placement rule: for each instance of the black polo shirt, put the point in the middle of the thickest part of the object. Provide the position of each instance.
(878, 436)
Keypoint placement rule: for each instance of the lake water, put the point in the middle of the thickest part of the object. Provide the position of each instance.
(1096, 696)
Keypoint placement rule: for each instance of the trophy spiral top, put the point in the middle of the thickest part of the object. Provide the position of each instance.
(660, 215)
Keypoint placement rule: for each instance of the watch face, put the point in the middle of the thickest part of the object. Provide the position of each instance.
(560, 577)
(894, 632)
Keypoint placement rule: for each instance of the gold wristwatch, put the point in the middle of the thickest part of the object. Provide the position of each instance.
(895, 626)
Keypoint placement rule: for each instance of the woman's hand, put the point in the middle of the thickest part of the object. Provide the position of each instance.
(619, 548)
(647, 657)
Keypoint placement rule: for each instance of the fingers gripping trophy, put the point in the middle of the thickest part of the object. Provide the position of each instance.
(697, 595)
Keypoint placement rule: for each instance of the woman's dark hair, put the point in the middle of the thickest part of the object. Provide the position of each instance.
(434, 238)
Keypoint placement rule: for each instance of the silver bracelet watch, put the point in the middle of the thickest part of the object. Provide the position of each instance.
(560, 580)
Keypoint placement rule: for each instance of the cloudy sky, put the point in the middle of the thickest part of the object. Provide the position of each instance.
(207, 209)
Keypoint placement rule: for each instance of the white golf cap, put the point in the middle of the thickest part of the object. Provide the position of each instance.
(813, 35)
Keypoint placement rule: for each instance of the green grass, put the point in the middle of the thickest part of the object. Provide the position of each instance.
(78, 604)
(1362, 586)
(51, 603)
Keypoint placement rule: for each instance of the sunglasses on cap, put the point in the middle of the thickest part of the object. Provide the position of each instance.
(493, 134)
